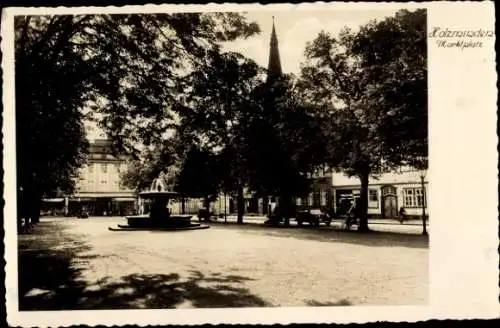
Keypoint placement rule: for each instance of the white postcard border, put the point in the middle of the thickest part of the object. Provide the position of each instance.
(462, 192)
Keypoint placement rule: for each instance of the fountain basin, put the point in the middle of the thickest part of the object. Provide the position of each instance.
(171, 223)
(145, 221)
(126, 228)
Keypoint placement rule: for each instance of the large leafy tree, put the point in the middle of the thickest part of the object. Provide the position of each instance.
(284, 143)
(201, 176)
(141, 172)
(370, 91)
(125, 68)
(48, 117)
(216, 112)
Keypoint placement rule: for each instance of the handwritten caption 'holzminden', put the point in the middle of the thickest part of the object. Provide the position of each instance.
(460, 39)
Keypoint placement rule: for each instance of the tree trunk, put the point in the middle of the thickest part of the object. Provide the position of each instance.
(33, 206)
(225, 207)
(285, 209)
(363, 203)
(183, 205)
(206, 202)
(240, 204)
(21, 212)
(265, 205)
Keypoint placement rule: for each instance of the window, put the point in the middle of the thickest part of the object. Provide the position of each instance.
(372, 198)
(117, 168)
(299, 201)
(104, 182)
(91, 168)
(413, 197)
(388, 190)
(311, 199)
(104, 168)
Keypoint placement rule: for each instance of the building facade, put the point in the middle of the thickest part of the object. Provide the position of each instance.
(387, 192)
(99, 190)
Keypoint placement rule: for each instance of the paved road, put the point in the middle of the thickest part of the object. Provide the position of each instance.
(79, 264)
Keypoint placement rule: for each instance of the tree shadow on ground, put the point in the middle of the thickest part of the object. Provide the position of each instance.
(50, 278)
(144, 291)
(163, 291)
(334, 234)
(47, 270)
(342, 302)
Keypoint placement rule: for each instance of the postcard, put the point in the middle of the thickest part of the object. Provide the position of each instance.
(250, 164)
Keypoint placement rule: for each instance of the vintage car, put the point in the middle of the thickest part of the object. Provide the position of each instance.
(314, 217)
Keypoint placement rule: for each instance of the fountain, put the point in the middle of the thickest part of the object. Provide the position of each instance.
(159, 217)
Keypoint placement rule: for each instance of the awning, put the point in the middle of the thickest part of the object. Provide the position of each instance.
(53, 200)
(81, 199)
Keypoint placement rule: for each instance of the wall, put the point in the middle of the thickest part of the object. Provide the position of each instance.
(101, 176)
(102, 172)
(403, 176)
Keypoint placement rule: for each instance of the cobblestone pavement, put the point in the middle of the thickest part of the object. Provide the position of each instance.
(79, 264)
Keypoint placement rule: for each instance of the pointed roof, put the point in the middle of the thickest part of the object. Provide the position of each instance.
(274, 66)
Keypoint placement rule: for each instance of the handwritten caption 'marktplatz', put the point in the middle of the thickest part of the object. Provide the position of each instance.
(461, 39)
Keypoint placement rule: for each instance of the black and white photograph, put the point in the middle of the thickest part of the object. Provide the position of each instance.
(223, 159)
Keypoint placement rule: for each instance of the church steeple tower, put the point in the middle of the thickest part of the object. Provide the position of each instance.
(274, 67)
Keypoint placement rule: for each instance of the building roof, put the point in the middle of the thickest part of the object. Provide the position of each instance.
(102, 150)
(274, 66)
(100, 146)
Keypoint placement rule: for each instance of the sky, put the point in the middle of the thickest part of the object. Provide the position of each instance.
(294, 29)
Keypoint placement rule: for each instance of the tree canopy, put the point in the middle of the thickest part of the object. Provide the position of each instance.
(127, 69)
(370, 92)
(284, 144)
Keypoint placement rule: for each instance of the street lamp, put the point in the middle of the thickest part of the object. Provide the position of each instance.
(422, 182)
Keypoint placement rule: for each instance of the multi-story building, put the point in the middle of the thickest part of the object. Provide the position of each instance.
(98, 189)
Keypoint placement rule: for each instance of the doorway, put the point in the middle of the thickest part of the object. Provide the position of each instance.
(389, 202)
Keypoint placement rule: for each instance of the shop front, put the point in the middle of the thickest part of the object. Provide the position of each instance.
(102, 205)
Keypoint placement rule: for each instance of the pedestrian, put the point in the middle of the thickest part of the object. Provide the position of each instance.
(402, 215)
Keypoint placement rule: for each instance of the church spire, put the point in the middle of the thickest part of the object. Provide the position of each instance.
(274, 67)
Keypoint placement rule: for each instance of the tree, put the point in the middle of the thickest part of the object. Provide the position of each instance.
(283, 143)
(48, 117)
(141, 172)
(216, 112)
(200, 176)
(126, 68)
(155, 72)
(370, 91)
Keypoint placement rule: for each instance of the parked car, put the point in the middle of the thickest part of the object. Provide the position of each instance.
(204, 215)
(313, 216)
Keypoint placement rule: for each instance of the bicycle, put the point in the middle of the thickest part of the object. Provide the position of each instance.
(349, 222)
(26, 226)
